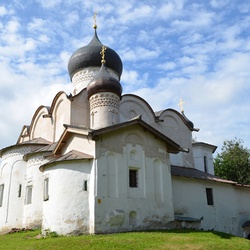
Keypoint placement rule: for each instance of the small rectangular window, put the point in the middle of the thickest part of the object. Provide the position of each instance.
(209, 193)
(205, 163)
(133, 178)
(28, 197)
(85, 185)
(1, 194)
(19, 190)
(46, 189)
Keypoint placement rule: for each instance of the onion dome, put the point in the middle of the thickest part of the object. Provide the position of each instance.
(104, 82)
(89, 56)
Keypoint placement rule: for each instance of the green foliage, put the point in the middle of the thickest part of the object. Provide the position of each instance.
(172, 239)
(233, 163)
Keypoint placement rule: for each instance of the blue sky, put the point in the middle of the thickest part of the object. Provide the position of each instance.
(195, 50)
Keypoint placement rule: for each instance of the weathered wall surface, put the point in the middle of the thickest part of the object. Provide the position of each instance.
(200, 152)
(67, 211)
(230, 210)
(120, 207)
(33, 210)
(12, 175)
(169, 123)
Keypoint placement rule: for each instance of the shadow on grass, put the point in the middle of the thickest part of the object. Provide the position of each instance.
(186, 231)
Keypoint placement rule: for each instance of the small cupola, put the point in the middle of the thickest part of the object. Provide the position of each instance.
(104, 81)
(104, 94)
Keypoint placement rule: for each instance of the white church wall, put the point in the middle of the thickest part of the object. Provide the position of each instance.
(80, 143)
(60, 115)
(33, 192)
(12, 174)
(122, 205)
(41, 125)
(225, 214)
(170, 124)
(173, 127)
(80, 110)
(132, 106)
(243, 202)
(203, 157)
(67, 209)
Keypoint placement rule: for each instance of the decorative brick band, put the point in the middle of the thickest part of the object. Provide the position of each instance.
(16, 151)
(104, 100)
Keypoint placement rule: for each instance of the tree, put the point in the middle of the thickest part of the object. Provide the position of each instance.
(233, 163)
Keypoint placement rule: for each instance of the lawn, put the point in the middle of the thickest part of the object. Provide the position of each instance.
(176, 239)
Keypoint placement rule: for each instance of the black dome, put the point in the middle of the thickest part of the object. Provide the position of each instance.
(89, 56)
(104, 82)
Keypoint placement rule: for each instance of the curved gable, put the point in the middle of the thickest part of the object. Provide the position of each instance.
(24, 135)
(80, 109)
(174, 125)
(60, 113)
(132, 106)
(40, 126)
(47, 122)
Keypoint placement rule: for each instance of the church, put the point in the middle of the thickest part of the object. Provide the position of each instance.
(97, 161)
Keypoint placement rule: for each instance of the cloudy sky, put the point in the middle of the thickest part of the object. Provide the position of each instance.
(191, 49)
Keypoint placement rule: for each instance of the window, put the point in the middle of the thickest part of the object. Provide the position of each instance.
(19, 190)
(133, 178)
(209, 193)
(1, 194)
(46, 189)
(28, 197)
(205, 164)
(85, 185)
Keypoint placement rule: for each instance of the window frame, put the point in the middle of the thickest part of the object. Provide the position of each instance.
(19, 193)
(133, 177)
(210, 197)
(46, 189)
(205, 163)
(28, 195)
(1, 194)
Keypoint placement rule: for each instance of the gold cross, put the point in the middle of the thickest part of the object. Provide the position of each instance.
(180, 104)
(103, 54)
(94, 17)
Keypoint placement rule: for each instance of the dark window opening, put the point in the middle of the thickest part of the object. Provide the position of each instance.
(20, 190)
(85, 185)
(209, 193)
(133, 178)
(205, 164)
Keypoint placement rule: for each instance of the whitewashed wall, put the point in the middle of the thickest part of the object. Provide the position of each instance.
(170, 124)
(119, 207)
(230, 210)
(67, 211)
(32, 213)
(12, 174)
(201, 150)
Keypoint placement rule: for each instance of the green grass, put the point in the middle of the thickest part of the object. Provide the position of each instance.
(175, 239)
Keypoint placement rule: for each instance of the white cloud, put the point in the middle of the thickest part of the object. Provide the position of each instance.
(3, 11)
(49, 3)
(131, 80)
(196, 50)
(167, 65)
(139, 53)
(219, 3)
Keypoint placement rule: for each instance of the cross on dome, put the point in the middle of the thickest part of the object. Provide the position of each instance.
(180, 104)
(103, 54)
(94, 17)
